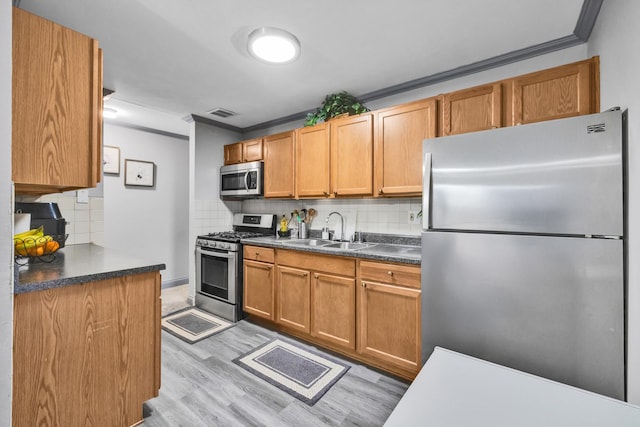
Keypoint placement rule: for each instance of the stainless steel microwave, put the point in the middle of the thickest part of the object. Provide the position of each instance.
(242, 181)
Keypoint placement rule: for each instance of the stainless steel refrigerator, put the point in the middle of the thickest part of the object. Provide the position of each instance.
(523, 249)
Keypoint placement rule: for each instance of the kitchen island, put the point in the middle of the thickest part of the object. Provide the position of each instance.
(86, 338)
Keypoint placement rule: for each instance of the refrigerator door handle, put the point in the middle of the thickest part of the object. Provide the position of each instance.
(426, 192)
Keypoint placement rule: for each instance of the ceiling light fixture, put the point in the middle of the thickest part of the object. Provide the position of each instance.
(109, 113)
(273, 45)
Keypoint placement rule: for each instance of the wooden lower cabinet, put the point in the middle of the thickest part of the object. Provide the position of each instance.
(316, 296)
(333, 310)
(294, 298)
(389, 299)
(259, 295)
(87, 354)
(366, 310)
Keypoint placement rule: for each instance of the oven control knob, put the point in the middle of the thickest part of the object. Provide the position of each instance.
(199, 242)
(224, 246)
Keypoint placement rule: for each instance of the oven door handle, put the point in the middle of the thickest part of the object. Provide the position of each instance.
(226, 255)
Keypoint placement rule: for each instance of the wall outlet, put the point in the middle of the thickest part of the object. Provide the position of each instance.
(413, 218)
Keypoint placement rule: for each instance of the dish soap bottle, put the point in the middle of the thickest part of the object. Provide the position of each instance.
(283, 224)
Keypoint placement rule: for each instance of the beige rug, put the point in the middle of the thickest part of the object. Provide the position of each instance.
(192, 325)
(305, 374)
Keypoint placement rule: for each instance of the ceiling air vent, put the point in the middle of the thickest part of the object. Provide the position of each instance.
(221, 112)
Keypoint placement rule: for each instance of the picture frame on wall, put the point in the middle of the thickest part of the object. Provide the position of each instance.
(139, 173)
(111, 160)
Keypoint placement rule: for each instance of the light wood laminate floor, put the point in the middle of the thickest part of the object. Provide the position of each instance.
(201, 386)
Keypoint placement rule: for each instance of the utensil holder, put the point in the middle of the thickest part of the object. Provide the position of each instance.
(303, 230)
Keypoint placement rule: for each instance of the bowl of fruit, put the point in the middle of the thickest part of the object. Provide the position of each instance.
(35, 244)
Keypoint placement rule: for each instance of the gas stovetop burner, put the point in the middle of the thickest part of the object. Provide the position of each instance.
(232, 236)
(245, 226)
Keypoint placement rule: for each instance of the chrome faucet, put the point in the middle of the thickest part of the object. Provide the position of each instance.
(341, 223)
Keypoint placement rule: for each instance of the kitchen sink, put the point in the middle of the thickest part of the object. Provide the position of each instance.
(309, 242)
(349, 245)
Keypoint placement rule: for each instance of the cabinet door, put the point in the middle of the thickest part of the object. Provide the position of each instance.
(294, 297)
(398, 147)
(559, 92)
(389, 324)
(333, 317)
(278, 165)
(252, 150)
(474, 109)
(312, 161)
(258, 289)
(57, 107)
(233, 153)
(352, 156)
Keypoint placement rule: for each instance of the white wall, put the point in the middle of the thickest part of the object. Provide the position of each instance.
(616, 38)
(6, 217)
(152, 223)
(207, 213)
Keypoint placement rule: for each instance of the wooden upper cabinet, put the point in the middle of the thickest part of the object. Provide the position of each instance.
(279, 165)
(313, 161)
(474, 109)
(398, 147)
(252, 150)
(352, 155)
(241, 152)
(565, 91)
(233, 153)
(57, 107)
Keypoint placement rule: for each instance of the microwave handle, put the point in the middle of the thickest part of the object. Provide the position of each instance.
(246, 181)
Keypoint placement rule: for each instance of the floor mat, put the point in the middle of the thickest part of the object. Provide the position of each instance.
(192, 325)
(304, 374)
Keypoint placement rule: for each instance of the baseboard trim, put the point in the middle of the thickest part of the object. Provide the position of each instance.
(174, 282)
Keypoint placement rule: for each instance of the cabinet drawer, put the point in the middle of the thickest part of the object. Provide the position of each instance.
(317, 262)
(257, 253)
(402, 275)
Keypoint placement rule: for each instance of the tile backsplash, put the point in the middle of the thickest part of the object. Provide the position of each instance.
(387, 216)
(85, 221)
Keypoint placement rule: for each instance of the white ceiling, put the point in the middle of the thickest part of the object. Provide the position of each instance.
(166, 59)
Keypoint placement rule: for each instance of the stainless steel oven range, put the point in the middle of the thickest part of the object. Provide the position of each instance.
(219, 264)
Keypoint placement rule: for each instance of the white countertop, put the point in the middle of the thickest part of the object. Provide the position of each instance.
(454, 390)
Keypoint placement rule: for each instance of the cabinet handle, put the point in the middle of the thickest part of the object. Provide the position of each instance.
(390, 273)
(325, 193)
(335, 193)
(380, 191)
(364, 285)
(257, 254)
(315, 275)
(305, 274)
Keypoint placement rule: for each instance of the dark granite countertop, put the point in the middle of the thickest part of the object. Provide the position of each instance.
(404, 249)
(79, 264)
